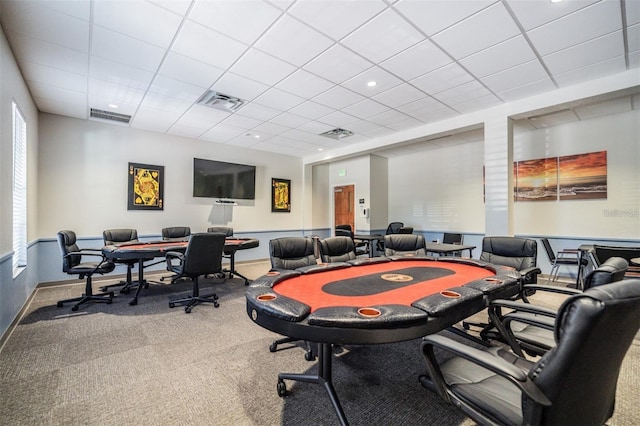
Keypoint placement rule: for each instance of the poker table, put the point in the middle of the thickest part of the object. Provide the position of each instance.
(144, 251)
(372, 301)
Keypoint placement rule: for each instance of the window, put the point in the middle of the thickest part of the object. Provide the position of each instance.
(19, 191)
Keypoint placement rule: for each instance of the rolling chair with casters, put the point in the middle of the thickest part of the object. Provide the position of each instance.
(72, 264)
(575, 383)
(337, 249)
(392, 228)
(118, 237)
(203, 256)
(404, 245)
(564, 257)
(406, 230)
(361, 247)
(529, 328)
(174, 233)
(291, 253)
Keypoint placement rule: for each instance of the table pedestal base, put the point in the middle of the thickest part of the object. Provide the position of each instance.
(323, 378)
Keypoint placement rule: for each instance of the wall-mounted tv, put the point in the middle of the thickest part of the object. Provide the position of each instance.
(217, 179)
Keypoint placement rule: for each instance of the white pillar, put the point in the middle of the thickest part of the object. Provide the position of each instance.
(498, 175)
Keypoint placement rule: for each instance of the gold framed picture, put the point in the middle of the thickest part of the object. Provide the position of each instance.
(146, 187)
(280, 195)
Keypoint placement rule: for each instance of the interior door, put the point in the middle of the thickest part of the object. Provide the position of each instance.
(344, 205)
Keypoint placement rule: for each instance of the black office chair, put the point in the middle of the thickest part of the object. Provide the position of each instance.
(452, 238)
(226, 230)
(392, 228)
(175, 233)
(118, 237)
(203, 256)
(72, 264)
(406, 230)
(567, 257)
(361, 247)
(291, 253)
(529, 328)
(404, 245)
(574, 384)
(337, 249)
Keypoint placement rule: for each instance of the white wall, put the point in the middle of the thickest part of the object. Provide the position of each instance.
(616, 217)
(83, 181)
(357, 172)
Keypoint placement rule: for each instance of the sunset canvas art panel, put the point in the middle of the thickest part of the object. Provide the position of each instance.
(583, 176)
(537, 180)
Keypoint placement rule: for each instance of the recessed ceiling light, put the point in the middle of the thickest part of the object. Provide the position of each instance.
(253, 135)
(371, 83)
(320, 149)
(556, 1)
(113, 106)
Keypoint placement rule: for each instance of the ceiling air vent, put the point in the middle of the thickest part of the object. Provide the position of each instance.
(110, 116)
(221, 101)
(337, 133)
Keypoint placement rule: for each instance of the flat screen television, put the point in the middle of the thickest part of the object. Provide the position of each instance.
(217, 179)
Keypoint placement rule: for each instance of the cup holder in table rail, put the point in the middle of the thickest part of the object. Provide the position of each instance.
(451, 294)
(369, 312)
(266, 297)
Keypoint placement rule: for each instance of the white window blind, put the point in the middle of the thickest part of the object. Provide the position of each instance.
(19, 191)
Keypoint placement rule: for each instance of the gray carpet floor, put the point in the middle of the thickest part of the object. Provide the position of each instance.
(151, 365)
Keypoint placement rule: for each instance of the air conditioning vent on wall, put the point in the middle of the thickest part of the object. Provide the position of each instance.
(337, 133)
(221, 101)
(110, 116)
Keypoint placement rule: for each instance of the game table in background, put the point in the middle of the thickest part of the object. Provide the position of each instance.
(144, 251)
(372, 301)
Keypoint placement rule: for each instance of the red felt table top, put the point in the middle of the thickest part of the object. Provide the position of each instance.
(310, 289)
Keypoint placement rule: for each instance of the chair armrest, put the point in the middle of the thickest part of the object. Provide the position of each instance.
(552, 289)
(171, 256)
(534, 270)
(479, 357)
(532, 319)
(496, 305)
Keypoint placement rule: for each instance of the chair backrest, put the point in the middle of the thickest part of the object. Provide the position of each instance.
(67, 243)
(593, 331)
(612, 270)
(226, 230)
(404, 244)
(547, 247)
(406, 230)
(337, 249)
(394, 228)
(344, 231)
(176, 233)
(451, 238)
(518, 253)
(292, 252)
(203, 254)
(119, 236)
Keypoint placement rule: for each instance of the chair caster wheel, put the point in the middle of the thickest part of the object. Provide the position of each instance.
(125, 291)
(273, 347)
(172, 305)
(60, 304)
(109, 301)
(216, 304)
(187, 310)
(74, 308)
(281, 388)
(309, 356)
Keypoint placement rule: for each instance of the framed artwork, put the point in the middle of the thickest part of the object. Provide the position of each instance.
(280, 195)
(537, 180)
(583, 176)
(146, 187)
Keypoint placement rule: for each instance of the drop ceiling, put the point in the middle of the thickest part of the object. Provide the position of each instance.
(301, 67)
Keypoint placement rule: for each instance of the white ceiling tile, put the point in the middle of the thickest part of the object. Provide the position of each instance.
(262, 67)
(222, 133)
(338, 64)
(196, 125)
(632, 12)
(289, 120)
(241, 87)
(316, 127)
(420, 106)
(382, 78)
(271, 128)
(259, 112)
(442, 79)
(279, 99)
(434, 16)
(363, 126)
(46, 91)
(388, 117)
(240, 121)
(365, 108)
(164, 103)
(338, 119)
(177, 6)
(436, 115)
(592, 71)
(516, 76)
(242, 20)
(409, 123)
(195, 40)
(69, 109)
(282, 4)
(532, 14)
(189, 70)
(633, 37)
(184, 131)
(117, 47)
(30, 19)
(634, 59)
(244, 141)
(176, 89)
(417, 60)
(336, 19)
(585, 24)
(463, 93)
(499, 57)
(311, 110)
(292, 41)
(103, 93)
(477, 103)
(141, 20)
(584, 54)
(54, 56)
(338, 97)
(458, 43)
(154, 119)
(52, 76)
(527, 89)
(80, 10)
(119, 74)
(203, 116)
(384, 36)
(399, 95)
(305, 84)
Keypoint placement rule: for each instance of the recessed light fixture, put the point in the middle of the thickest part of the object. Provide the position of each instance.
(555, 1)
(320, 149)
(113, 106)
(253, 135)
(371, 83)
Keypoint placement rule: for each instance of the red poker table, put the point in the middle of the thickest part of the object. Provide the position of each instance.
(144, 251)
(372, 301)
